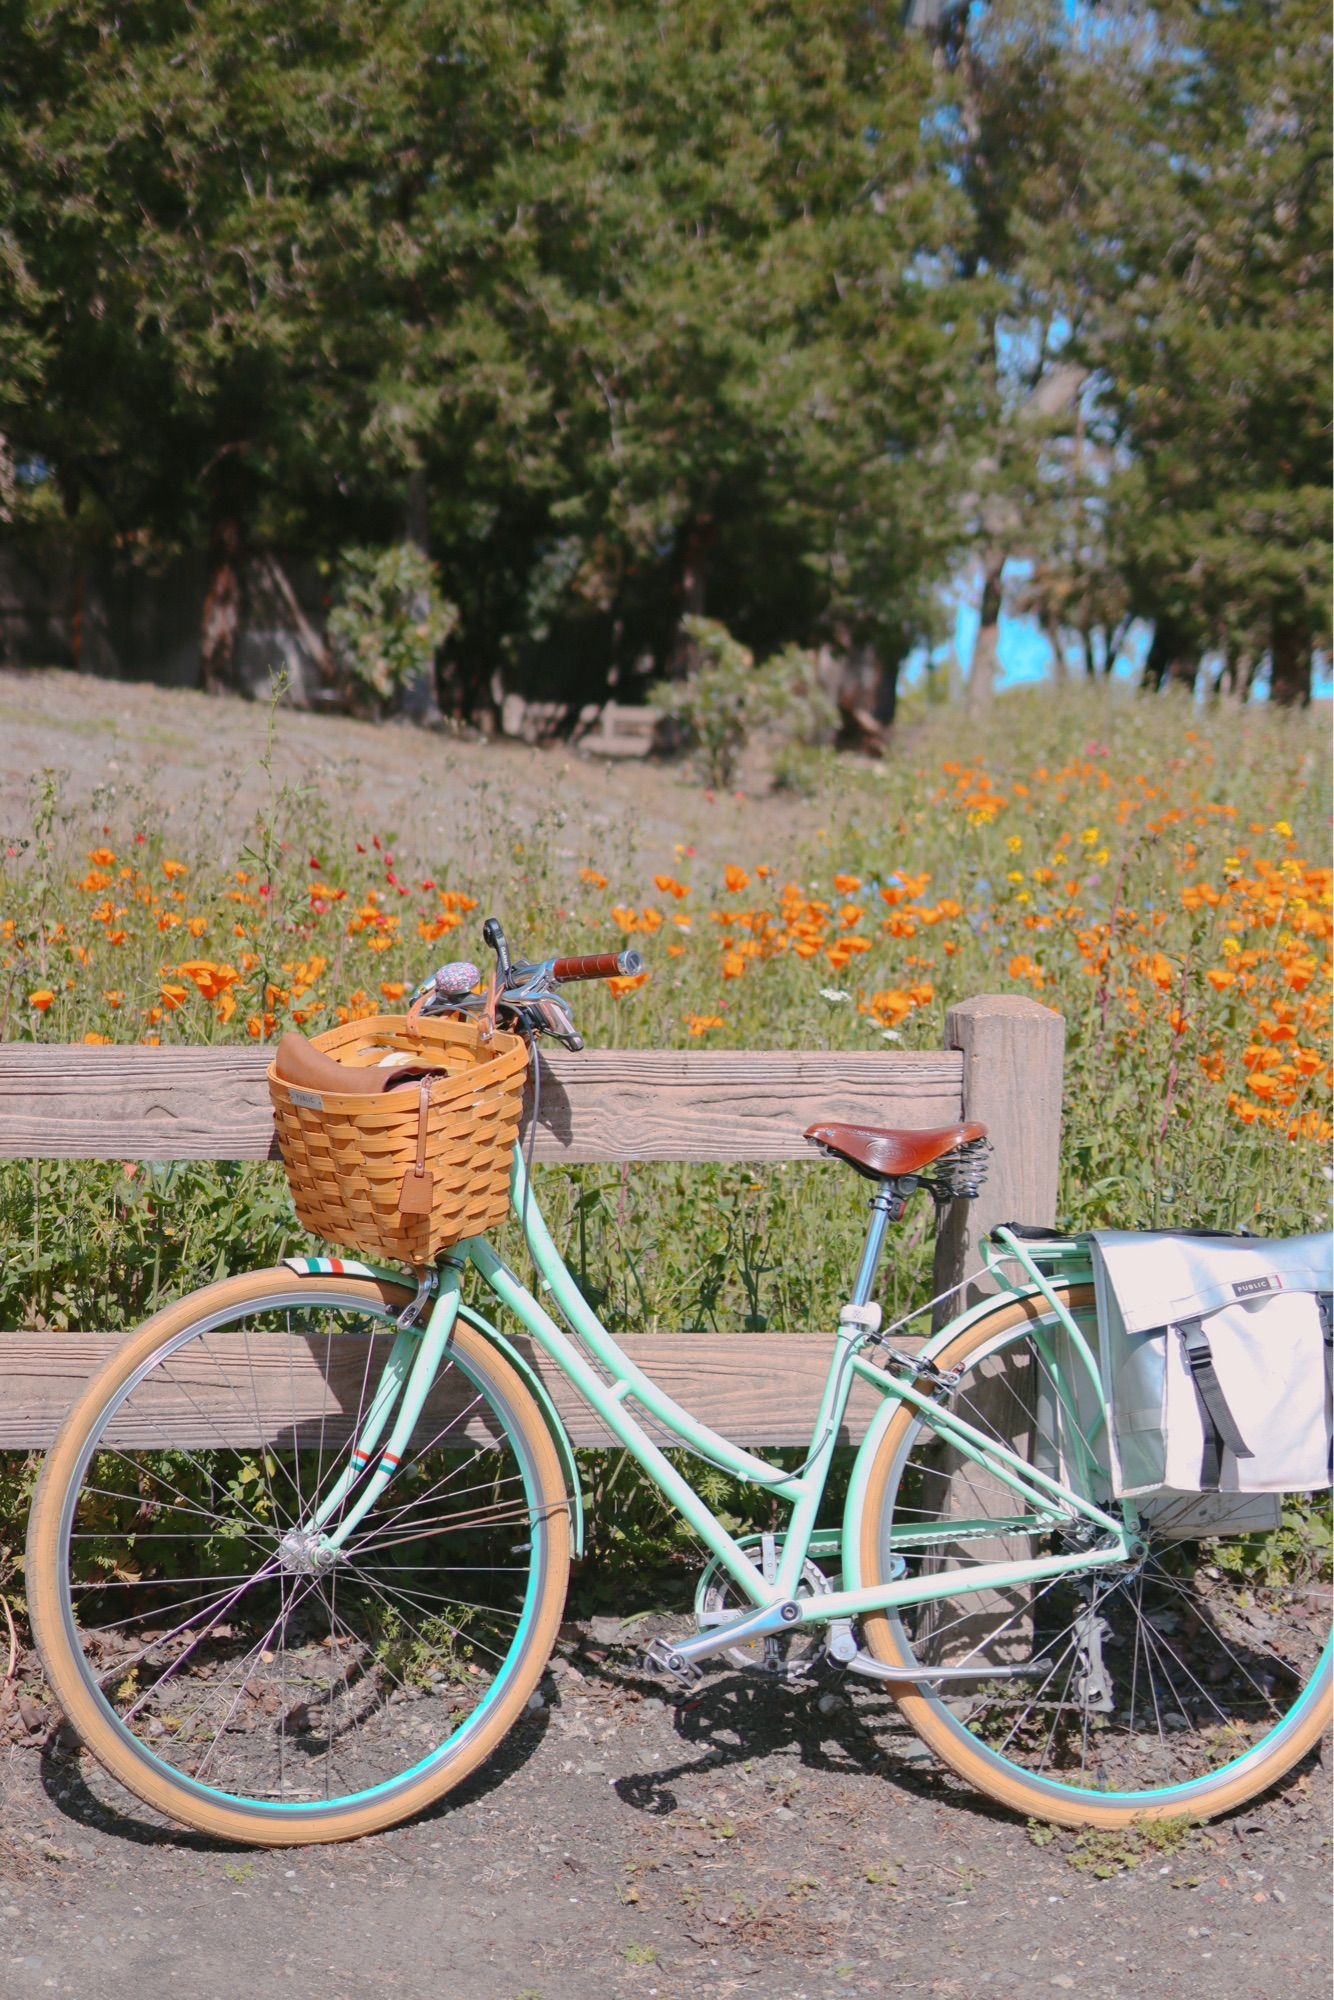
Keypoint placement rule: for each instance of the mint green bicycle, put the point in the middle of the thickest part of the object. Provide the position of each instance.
(337, 1591)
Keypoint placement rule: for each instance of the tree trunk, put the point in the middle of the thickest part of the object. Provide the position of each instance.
(886, 701)
(696, 548)
(1289, 662)
(419, 700)
(1170, 658)
(982, 674)
(1087, 654)
(221, 623)
(1060, 666)
(1235, 675)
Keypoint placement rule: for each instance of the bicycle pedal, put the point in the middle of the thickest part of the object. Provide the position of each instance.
(661, 1657)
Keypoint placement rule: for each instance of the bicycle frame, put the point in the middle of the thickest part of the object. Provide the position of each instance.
(418, 1352)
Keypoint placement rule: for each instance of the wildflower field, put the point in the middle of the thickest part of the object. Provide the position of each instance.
(1156, 872)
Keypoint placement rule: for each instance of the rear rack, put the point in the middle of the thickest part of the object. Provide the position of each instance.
(1042, 1256)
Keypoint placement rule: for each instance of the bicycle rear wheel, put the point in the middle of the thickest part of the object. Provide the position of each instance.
(1179, 1683)
(205, 1646)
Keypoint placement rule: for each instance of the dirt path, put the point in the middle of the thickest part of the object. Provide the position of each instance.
(765, 1841)
(191, 757)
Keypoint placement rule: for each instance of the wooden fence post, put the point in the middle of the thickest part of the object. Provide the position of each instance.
(1013, 1066)
(1013, 1052)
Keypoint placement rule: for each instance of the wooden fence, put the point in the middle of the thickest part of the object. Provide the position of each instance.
(1003, 1066)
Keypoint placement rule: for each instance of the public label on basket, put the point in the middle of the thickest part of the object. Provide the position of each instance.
(310, 1098)
(414, 1197)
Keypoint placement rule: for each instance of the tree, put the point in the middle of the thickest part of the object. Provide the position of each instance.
(194, 197)
(1215, 343)
(1031, 89)
(709, 360)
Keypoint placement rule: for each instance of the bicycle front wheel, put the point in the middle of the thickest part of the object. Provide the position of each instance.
(1181, 1682)
(203, 1638)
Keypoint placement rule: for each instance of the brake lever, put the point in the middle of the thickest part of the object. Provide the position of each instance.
(554, 1018)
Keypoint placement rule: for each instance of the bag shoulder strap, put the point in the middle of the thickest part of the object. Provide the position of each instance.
(1220, 1425)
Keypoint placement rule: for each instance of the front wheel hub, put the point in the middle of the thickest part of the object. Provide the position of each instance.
(306, 1552)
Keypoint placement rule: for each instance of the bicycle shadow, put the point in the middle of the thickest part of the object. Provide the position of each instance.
(740, 1717)
(123, 1816)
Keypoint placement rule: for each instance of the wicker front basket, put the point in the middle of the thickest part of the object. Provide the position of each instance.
(347, 1157)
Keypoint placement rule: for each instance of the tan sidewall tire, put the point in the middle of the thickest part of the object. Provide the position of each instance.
(947, 1744)
(44, 1570)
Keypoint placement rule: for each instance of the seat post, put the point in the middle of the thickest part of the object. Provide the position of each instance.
(886, 1207)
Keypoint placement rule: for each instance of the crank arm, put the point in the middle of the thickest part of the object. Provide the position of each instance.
(763, 1623)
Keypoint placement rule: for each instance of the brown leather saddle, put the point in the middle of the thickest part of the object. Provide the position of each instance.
(882, 1153)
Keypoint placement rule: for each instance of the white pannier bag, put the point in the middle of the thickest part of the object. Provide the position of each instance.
(1216, 1361)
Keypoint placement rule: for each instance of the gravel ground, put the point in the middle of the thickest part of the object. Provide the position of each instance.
(763, 1840)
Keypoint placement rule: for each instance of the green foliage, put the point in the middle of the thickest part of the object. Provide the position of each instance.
(391, 619)
(796, 705)
(1216, 332)
(1297, 1555)
(716, 708)
(726, 699)
(1107, 1852)
(679, 306)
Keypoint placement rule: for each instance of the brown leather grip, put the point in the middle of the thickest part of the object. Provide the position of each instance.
(602, 965)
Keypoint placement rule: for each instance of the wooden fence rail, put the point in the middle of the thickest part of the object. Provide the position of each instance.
(1003, 1066)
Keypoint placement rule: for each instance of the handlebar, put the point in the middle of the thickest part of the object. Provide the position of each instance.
(522, 992)
(599, 965)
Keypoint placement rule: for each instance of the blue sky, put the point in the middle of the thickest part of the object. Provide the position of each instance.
(1025, 654)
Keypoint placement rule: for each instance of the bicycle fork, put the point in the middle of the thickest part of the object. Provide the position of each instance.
(406, 1382)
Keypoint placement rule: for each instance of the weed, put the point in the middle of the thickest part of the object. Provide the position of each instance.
(1104, 1851)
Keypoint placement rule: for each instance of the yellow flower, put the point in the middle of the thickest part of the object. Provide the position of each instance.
(1015, 843)
(1090, 836)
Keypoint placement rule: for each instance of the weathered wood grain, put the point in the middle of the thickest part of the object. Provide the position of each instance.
(1013, 1052)
(760, 1388)
(69, 1102)
(1003, 1067)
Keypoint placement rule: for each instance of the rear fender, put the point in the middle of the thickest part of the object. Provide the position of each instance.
(889, 1409)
